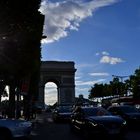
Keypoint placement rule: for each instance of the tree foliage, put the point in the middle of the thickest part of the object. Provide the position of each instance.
(135, 83)
(116, 87)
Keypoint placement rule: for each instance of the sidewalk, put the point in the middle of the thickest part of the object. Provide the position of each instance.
(36, 123)
(38, 120)
(39, 117)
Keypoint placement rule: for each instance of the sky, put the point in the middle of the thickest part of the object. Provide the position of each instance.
(102, 37)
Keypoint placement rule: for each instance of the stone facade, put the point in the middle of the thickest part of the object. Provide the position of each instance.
(63, 75)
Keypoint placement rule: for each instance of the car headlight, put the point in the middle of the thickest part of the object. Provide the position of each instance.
(94, 124)
(124, 123)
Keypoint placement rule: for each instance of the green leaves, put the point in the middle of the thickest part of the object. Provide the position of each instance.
(117, 87)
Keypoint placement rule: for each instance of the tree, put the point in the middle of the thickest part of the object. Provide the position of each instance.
(135, 83)
(20, 52)
(96, 91)
(115, 87)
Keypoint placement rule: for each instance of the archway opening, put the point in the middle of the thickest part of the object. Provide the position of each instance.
(51, 93)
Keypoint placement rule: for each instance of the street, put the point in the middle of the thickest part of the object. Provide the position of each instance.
(45, 128)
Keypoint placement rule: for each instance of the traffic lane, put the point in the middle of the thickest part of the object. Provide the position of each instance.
(47, 129)
(133, 135)
(53, 131)
(62, 131)
(66, 136)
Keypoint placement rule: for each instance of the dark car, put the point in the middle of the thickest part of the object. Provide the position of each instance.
(128, 112)
(14, 128)
(97, 121)
(62, 113)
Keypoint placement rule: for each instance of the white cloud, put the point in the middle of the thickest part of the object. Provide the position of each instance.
(105, 53)
(50, 90)
(88, 83)
(82, 89)
(77, 77)
(50, 96)
(61, 17)
(50, 93)
(50, 99)
(99, 74)
(85, 65)
(110, 60)
(97, 54)
(102, 53)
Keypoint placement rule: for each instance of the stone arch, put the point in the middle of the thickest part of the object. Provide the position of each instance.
(63, 75)
(53, 79)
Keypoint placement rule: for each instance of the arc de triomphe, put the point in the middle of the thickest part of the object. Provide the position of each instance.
(62, 73)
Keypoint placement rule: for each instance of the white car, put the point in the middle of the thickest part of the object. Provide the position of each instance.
(10, 128)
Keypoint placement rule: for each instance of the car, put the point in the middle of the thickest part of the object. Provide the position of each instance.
(130, 113)
(13, 128)
(96, 121)
(62, 113)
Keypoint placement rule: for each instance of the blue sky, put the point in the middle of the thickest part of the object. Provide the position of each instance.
(102, 37)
